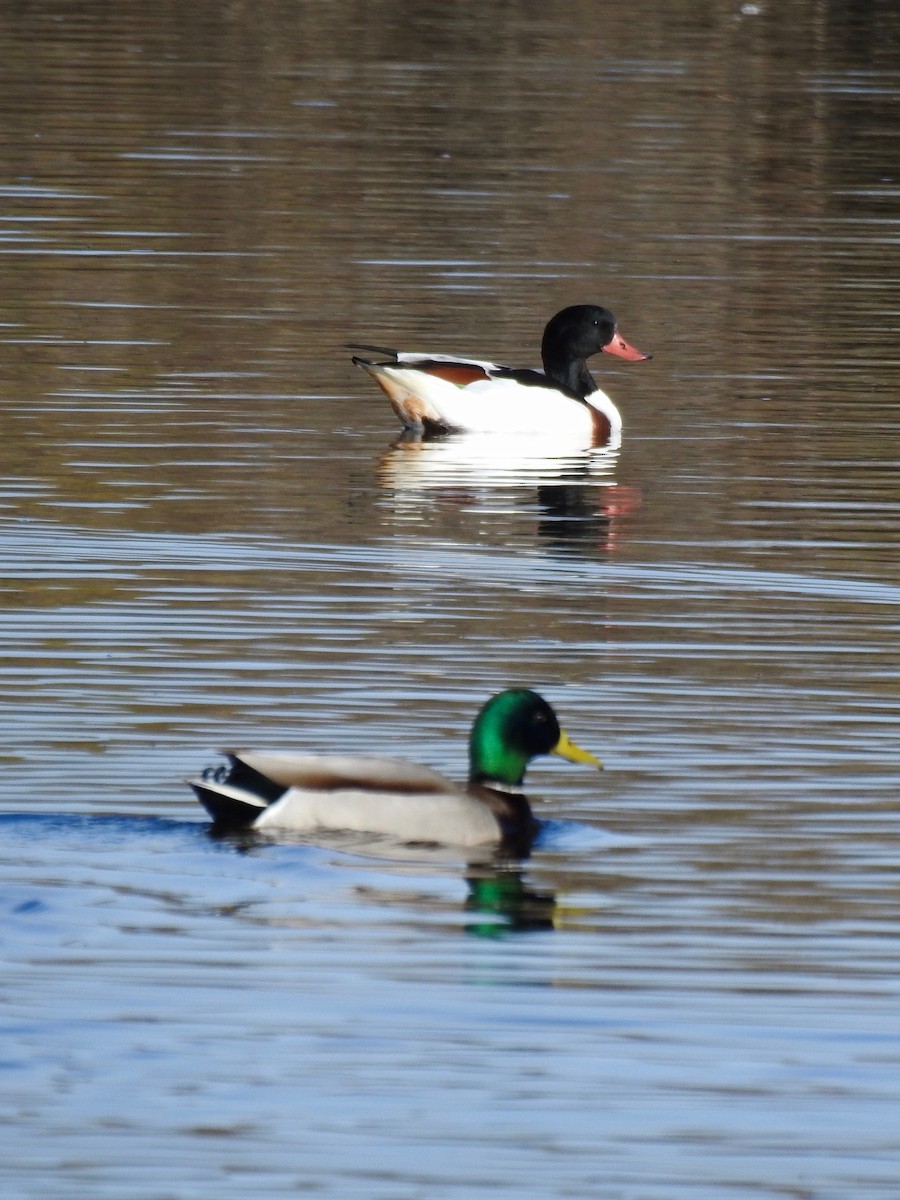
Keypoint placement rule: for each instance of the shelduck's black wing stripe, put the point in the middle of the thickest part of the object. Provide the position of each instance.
(530, 378)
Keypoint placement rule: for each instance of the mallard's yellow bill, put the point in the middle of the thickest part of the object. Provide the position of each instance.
(566, 748)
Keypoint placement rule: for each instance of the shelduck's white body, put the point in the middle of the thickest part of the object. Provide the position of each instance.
(493, 404)
(441, 392)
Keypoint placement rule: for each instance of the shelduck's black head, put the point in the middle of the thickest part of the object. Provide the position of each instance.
(573, 335)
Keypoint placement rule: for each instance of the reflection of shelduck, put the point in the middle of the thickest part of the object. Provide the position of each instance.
(569, 487)
(435, 393)
(485, 462)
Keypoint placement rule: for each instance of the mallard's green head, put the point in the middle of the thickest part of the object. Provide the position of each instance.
(512, 728)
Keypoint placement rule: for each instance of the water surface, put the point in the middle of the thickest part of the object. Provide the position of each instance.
(212, 534)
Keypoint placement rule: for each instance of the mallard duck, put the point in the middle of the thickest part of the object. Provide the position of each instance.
(378, 795)
(435, 393)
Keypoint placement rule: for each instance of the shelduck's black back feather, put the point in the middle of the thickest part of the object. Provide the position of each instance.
(383, 350)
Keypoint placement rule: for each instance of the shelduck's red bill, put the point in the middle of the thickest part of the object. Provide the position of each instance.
(620, 348)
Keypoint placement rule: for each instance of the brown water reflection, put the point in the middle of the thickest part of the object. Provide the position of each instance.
(211, 534)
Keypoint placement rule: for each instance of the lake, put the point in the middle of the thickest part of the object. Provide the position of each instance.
(212, 534)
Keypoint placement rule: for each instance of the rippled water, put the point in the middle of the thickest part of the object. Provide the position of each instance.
(211, 533)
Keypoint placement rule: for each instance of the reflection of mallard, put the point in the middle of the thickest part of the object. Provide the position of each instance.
(438, 392)
(394, 797)
(500, 902)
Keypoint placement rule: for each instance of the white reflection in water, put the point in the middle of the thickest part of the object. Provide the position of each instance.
(568, 489)
(481, 460)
